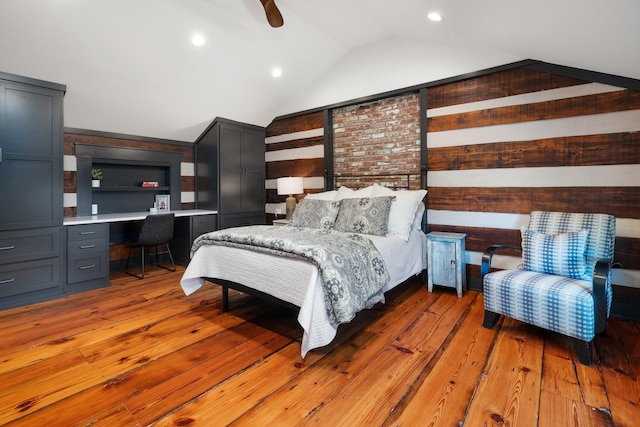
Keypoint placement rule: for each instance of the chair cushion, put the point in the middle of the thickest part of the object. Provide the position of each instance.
(557, 254)
(602, 231)
(556, 303)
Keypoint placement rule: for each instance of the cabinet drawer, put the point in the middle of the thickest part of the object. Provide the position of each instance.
(87, 232)
(203, 224)
(92, 266)
(24, 245)
(86, 246)
(25, 277)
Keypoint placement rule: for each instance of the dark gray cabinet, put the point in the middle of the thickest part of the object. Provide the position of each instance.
(31, 190)
(186, 230)
(87, 257)
(231, 172)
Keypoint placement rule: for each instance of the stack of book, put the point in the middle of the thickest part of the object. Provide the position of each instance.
(149, 184)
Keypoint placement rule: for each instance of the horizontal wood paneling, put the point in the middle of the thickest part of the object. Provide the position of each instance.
(583, 138)
(297, 143)
(298, 167)
(604, 149)
(579, 106)
(289, 164)
(296, 124)
(70, 139)
(187, 183)
(503, 83)
(620, 201)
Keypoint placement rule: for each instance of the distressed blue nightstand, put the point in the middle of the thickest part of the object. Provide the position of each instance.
(445, 261)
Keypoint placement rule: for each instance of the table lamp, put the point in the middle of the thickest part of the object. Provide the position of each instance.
(290, 186)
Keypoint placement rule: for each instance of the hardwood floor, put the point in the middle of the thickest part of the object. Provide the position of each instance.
(142, 353)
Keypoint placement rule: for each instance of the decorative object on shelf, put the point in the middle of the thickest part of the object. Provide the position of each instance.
(290, 186)
(96, 177)
(94, 208)
(150, 184)
(163, 203)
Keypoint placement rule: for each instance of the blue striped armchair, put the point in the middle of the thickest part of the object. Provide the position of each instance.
(563, 284)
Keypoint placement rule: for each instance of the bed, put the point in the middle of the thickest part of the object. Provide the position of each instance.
(289, 275)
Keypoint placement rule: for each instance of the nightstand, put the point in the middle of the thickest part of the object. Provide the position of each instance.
(280, 221)
(445, 261)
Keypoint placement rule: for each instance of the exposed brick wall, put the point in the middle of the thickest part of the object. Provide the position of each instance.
(381, 137)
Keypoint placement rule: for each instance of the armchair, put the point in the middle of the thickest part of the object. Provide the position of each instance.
(564, 282)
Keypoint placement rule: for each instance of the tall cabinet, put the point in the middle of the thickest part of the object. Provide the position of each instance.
(31, 190)
(231, 172)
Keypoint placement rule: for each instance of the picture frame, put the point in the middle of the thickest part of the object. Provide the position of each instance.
(163, 202)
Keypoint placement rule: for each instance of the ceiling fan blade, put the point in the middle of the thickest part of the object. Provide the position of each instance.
(274, 17)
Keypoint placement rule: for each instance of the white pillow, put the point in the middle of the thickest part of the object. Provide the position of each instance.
(348, 193)
(325, 195)
(403, 209)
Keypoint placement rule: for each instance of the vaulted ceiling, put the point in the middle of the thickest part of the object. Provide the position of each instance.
(130, 67)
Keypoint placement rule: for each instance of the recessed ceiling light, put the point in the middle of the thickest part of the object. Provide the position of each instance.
(434, 16)
(276, 72)
(198, 40)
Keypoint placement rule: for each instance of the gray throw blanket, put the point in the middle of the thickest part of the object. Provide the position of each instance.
(352, 271)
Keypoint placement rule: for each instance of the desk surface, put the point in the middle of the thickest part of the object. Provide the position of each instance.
(129, 216)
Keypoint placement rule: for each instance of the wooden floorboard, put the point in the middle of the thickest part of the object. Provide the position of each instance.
(140, 352)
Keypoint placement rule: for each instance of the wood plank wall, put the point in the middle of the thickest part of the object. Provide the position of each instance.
(295, 147)
(503, 144)
(506, 143)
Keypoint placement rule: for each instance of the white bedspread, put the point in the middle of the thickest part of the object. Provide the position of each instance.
(297, 281)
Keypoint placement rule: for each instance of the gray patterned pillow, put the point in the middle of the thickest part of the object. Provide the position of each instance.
(312, 213)
(366, 215)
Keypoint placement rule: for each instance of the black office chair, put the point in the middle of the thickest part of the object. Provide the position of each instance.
(156, 230)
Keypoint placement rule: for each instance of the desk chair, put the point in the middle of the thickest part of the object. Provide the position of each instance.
(156, 230)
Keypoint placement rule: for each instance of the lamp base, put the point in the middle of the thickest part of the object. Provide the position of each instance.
(290, 205)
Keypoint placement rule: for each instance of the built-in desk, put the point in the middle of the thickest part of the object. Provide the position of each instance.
(130, 216)
(89, 238)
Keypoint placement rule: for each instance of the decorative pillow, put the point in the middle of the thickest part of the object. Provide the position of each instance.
(312, 213)
(557, 254)
(366, 215)
(403, 210)
(325, 195)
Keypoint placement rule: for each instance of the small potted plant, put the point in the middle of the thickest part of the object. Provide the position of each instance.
(96, 176)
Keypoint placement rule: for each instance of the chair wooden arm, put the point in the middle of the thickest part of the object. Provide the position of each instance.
(600, 275)
(487, 256)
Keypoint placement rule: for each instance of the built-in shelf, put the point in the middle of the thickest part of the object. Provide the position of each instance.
(151, 189)
(124, 170)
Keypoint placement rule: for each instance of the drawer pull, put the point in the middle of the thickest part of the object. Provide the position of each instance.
(86, 233)
(87, 267)
(2, 282)
(87, 246)
(7, 248)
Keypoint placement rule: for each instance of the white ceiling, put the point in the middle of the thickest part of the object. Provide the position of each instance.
(130, 68)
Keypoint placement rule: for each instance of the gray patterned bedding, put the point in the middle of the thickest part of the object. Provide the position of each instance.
(352, 270)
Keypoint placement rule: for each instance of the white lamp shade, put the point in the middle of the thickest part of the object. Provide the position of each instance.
(290, 185)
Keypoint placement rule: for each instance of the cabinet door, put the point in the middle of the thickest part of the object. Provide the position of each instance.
(253, 193)
(444, 263)
(31, 164)
(231, 168)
